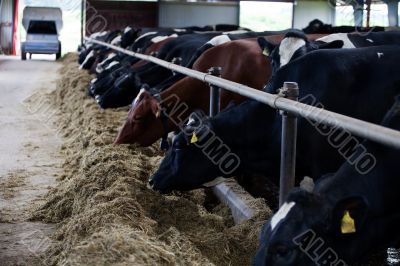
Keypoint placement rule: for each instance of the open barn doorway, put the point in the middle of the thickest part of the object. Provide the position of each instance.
(266, 16)
(70, 34)
(380, 14)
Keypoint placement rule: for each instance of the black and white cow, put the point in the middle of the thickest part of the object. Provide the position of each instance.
(184, 47)
(95, 52)
(86, 48)
(129, 35)
(346, 81)
(347, 217)
(115, 62)
(316, 26)
(121, 93)
(296, 44)
(106, 80)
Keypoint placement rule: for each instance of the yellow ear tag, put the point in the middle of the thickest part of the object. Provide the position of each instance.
(265, 52)
(348, 224)
(194, 138)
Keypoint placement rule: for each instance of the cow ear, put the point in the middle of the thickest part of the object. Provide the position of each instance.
(155, 107)
(349, 215)
(266, 46)
(196, 118)
(338, 44)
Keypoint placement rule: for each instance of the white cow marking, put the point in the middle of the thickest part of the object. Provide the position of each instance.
(219, 40)
(191, 120)
(110, 57)
(288, 47)
(113, 63)
(146, 34)
(281, 214)
(116, 40)
(180, 30)
(93, 80)
(307, 184)
(90, 55)
(99, 69)
(127, 29)
(235, 32)
(100, 66)
(162, 38)
(380, 55)
(338, 37)
(98, 34)
(370, 40)
(138, 97)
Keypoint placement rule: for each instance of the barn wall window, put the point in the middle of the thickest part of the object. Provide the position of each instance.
(344, 15)
(379, 15)
(266, 16)
(305, 11)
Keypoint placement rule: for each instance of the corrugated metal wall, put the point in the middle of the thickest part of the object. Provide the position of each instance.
(6, 26)
(181, 14)
(110, 15)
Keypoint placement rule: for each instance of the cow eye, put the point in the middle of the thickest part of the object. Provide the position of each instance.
(281, 251)
(138, 118)
(179, 144)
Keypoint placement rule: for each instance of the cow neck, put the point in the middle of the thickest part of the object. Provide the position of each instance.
(164, 122)
(184, 91)
(167, 112)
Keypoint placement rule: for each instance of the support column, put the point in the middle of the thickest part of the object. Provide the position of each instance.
(358, 7)
(290, 90)
(393, 12)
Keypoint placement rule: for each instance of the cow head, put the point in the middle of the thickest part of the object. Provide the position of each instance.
(192, 162)
(294, 45)
(304, 222)
(317, 26)
(143, 125)
(129, 35)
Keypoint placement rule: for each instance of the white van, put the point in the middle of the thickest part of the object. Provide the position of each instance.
(43, 26)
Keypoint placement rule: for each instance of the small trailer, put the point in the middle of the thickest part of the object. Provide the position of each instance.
(43, 26)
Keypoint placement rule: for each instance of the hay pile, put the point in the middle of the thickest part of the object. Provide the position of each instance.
(106, 214)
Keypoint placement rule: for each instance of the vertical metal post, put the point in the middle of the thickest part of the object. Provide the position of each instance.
(229, 192)
(288, 143)
(368, 2)
(358, 12)
(215, 102)
(393, 9)
(83, 15)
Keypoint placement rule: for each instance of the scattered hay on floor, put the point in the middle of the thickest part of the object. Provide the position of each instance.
(107, 215)
(11, 183)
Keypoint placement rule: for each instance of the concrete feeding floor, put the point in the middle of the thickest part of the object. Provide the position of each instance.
(29, 157)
